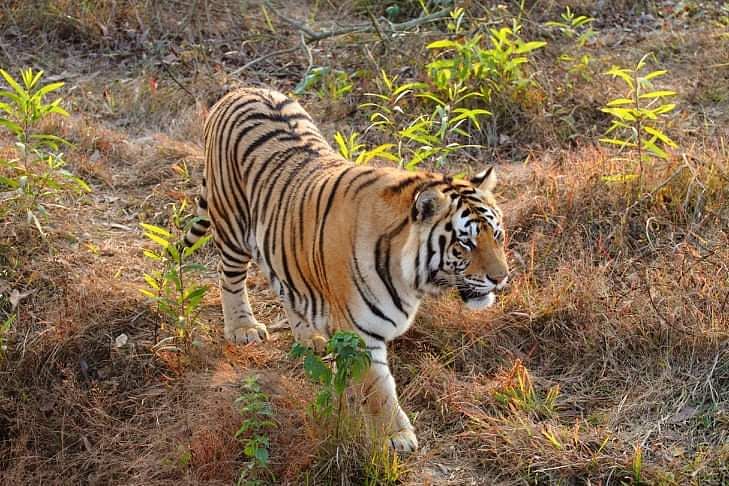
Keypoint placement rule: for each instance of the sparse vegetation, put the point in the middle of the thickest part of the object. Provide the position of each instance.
(605, 362)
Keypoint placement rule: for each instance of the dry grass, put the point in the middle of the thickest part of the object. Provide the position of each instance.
(618, 306)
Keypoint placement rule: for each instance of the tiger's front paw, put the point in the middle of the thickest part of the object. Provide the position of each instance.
(246, 335)
(404, 441)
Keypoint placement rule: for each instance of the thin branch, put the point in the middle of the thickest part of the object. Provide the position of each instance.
(263, 58)
(178, 83)
(312, 35)
(309, 56)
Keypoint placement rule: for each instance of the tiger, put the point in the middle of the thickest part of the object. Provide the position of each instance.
(344, 246)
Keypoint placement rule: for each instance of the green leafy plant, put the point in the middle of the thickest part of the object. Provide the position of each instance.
(173, 288)
(327, 83)
(430, 136)
(639, 115)
(491, 71)
(578, 29)
(37, 176)
(518, 393)
(351, 148)
(351, 361)
(429, 121)
(574, 26)
(255, 407)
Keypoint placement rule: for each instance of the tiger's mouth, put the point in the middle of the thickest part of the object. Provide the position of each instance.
(477, 300)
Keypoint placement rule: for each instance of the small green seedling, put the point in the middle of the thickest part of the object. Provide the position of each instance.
(256, 409)
(173, 287)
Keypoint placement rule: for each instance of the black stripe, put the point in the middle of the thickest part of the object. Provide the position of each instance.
(325, 216)
(400, 186)
(199, 232)
(360, 328)
(366, 184)
(261, 141)
(382, 263)
(359, 281)
(234, 273)
(351, 182)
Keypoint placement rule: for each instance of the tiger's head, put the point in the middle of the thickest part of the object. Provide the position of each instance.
(461, 239)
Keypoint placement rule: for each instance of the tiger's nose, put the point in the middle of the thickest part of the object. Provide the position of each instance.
(498, 280)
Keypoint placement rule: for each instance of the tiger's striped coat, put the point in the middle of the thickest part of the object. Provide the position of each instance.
(344, 246)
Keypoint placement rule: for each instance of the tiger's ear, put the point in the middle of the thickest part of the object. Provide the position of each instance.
(428, 204)
(485, 180)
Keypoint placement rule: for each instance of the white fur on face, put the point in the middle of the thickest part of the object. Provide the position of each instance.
(482, 302)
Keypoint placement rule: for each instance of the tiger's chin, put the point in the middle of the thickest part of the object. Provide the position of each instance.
(480, 302)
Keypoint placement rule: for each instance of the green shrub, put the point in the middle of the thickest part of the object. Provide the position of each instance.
(37, 176)
(173, 288)
(327, 83)
(470, 78)
(638, 117)
(351, 361)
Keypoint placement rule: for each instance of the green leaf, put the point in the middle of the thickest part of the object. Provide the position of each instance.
(655, 149)
(48, 88)
(298, 350)
(622, 113)
(147, 293)
(174, 252)
(529, 46)
(316, 369)
(262, 455)
(615, 141)
(156, 230)
(194, 267)
(202, 241)
(621, 101)
(13, 84)
(654, 74)
(13, 127)
(657, 94)
(623, 74)
(341, 145)
(660, 136)
(51, 138)
(151, 281)
(195, 293)
(443, 44)
(81, 183)
(151, 255)
(664, 108)
(157, 239)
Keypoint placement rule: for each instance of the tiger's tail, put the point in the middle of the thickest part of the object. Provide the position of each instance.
(202, 223)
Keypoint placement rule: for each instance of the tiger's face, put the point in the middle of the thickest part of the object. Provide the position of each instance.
(465, 244)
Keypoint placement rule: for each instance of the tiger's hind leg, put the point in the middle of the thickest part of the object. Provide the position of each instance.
(240, 324)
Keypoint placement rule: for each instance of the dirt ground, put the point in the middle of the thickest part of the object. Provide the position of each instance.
(619, 306)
